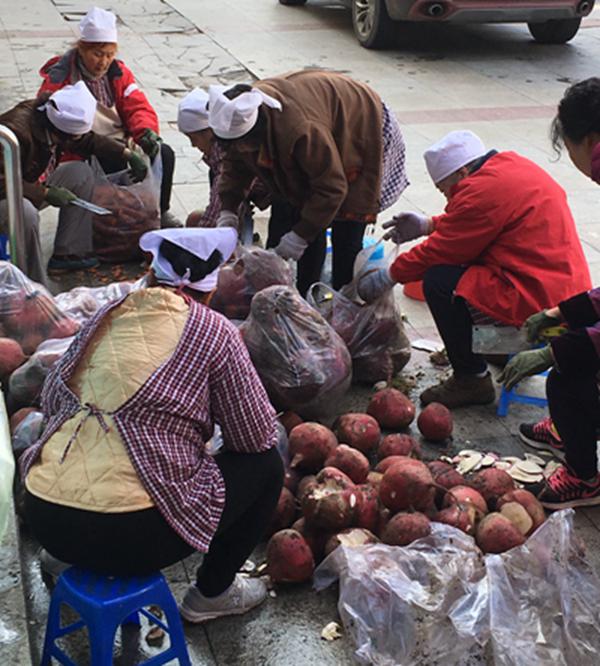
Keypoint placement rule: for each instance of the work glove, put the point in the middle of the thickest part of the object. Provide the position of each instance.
(137, 167)
(59, 196)
(535, 324)
(227, 218)
(406, 227)
(291, 246)
(374, 284)
(150, 142)
(524, 364)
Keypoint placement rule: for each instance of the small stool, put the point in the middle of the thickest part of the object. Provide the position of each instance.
(104, 603)
(506, 397)
(4, 251)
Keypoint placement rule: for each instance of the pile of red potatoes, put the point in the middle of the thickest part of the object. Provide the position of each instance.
(334, 495)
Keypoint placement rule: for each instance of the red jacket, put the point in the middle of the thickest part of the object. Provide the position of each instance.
(511, 224)
(132, 105)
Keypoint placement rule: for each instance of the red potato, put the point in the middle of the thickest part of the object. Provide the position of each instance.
(352, 537)
(383, 465)
(284, 513)
(461, 516)
(518, 516)
(289, 558)
(309, 445)
(316, 539)
(360, 431)
(404, 528)
(392, 409)
(374, 479)
(351, 461)
(496, 534)
(446, 477)
(398, 444)
(19, 415)
(306, 484)
(529, 501)
(384, 518)
(492, 483)
(465, 495)
(11, 356)
(367, 511)
(291, 479)
(194, 218)
(332, 503)
(407, 485)
(435, 422)
(290, 420)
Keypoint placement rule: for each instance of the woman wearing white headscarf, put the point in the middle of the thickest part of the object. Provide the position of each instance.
(121, 482)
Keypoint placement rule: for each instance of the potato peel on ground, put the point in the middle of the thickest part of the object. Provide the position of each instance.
(331, 632)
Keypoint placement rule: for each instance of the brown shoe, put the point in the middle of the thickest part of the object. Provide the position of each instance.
(462, 390)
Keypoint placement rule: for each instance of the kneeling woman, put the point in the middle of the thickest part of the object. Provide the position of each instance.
(120, 482)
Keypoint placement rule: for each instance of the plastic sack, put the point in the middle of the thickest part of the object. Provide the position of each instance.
(27, 433)
(7, 469)
(81, 303)
(28, 313)
(439, 600)
(25, 383)
(135, 207)
(302, 362)
(251, 270)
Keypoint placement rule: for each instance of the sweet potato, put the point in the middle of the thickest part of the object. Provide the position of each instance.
(290, 420)
(19, 415)
(284, 513)
(11, 356)
(529, 502)
(331, 504)
(289, 558)
(316, 539)
(306, 483)
(492, 483)
(446, 477)
(398, 444)
(350, 461)
(374, 479)
(383, 465)
(435, 422)
(462, 516)
(496, 534)
(352, 537)
(518, 516)
(291, 479)
(360, 431)
(405, 485)
(404, 528)
(465, 495)
(367, 511)
(309, 445)
(392, 409)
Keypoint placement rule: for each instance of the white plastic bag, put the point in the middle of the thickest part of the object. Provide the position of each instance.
(7, 469)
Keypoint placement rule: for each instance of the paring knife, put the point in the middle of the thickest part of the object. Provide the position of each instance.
(89, 206)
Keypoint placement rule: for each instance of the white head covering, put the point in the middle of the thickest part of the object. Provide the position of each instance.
(192, 112)
(201, 242)
(72, 109)
(452, 152)
(98, 25)
(232, 118)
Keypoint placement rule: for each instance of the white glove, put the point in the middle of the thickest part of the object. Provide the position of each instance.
(227, 218)
(406, 227)
(291, 246)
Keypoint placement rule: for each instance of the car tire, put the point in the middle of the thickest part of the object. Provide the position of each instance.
(291, 3)
(372, 24)
(557, 31)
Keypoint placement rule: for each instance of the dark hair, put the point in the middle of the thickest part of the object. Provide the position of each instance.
(578, 113)
(182, 260)
(257, 133)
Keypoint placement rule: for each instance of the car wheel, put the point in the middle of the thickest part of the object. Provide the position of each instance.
(557, 31)
(372, 24)
(292, 2)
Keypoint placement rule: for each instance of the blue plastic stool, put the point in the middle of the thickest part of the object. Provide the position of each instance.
(104, 603)
(506, 397)
(4, 253)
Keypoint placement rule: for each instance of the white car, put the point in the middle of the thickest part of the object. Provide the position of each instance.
(549, 21)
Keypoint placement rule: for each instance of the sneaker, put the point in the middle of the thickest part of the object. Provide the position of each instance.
(70, 262)
(542, 436)
(461, 390)
(240, 597)
(51, 565)
(562, 490)
(169, 221)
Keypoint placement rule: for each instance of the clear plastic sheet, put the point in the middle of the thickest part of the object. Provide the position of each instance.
(251, 270)
(302, 362)
(440, 601)
(27, 432)
(25, 383)
(82, 302)
(28, 313)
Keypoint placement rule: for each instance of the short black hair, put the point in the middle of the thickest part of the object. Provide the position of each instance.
(578, 113)
(182, 260)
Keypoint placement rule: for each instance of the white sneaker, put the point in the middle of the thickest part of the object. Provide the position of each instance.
(241, 596)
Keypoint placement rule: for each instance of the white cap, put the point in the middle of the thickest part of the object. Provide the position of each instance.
(200, 242)
(232, 118)
(452, 152)
(72, 109)
(98, 25)
(192, 112)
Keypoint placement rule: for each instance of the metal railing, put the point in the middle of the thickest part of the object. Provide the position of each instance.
(14, 195)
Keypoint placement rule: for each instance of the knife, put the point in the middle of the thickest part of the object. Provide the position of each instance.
(92, 208)
(507, 339)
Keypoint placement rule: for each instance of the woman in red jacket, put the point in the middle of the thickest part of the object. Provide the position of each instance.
(570, 432)
(123, 110)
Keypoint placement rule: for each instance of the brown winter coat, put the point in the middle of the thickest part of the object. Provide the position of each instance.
(36, 148)
(323, 152)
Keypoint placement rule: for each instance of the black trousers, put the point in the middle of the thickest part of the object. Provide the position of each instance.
(346, 243)
(142, 542)
(575, 411)
(452, 318)
(168, 165)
